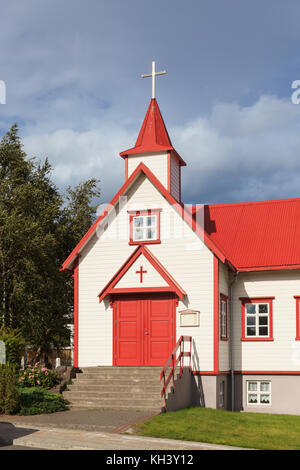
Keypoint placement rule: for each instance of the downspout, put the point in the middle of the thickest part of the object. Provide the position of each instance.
(231, 340)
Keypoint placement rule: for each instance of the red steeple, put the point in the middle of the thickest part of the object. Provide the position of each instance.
(153, 136)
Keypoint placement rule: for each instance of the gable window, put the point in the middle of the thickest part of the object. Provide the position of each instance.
(144, 226)
(297, 297)
(257, 319)
(223, 317)
(258, 392)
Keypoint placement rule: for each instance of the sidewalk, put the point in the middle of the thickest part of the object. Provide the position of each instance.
(66, 439)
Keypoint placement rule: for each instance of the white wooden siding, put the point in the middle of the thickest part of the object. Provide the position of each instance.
(283, 354)
(187, 259)
(156, 162)
(175, 178)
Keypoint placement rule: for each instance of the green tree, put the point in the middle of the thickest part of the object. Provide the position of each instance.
(38, 229)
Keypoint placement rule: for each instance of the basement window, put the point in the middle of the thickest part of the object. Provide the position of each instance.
(258, 392)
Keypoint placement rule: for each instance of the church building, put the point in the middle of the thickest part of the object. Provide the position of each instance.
(152, 270)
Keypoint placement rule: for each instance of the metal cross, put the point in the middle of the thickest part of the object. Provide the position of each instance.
(141, 272)
(153, 75)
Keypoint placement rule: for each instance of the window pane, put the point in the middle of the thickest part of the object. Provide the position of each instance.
(250, 308)
(151, 220)
(252, 386)
(251, 331)
(138, 234)
(264, 399)
(252, 398)
(265, 386)
(263, 331)
(263, 308)
(263, 320)
(150, 233)
(138, 221)
(251, 321)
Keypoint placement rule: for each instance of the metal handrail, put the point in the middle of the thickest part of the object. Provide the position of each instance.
(174, 361)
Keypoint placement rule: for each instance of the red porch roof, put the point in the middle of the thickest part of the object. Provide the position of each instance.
(142, 250)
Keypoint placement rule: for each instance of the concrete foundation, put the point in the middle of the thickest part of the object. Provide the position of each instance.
(285, 392)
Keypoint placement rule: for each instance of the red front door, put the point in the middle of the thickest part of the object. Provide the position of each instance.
(144, 329)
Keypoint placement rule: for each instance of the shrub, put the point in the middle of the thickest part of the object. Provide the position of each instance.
(9, 394)
(14, 344)
(38, 376)
(38, 401)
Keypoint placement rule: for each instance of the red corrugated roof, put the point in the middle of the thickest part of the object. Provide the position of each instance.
(264, 234)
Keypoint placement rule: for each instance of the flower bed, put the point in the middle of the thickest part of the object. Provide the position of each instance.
(38, 376)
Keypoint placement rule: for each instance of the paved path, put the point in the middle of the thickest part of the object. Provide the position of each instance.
(103, 420)
(66, 439)
(98, 429)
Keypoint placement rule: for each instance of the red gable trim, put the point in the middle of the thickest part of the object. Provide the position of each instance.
(186, 215)
(142, 250)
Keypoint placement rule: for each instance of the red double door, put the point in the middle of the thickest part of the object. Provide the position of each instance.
(144, 329)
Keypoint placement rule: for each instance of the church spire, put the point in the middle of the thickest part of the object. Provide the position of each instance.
(153, 136)
(154, 148)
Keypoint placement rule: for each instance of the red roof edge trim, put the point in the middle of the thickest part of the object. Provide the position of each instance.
(142, 250)
(179, 207)
(269, 268)
(92, 229)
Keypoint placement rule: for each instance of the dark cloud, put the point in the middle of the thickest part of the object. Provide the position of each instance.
(72, 72)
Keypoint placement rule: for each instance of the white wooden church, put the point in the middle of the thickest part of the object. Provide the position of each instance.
(152, 271)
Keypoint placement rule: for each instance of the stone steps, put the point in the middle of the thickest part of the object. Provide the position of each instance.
(116, 388)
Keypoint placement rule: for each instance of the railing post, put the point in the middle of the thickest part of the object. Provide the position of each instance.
(173, 367)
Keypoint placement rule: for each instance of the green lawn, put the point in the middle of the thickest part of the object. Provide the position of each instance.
(254, 430)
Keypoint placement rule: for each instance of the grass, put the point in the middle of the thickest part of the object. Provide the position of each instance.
(250, 430)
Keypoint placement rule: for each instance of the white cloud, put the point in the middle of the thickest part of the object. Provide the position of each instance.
(237, 153)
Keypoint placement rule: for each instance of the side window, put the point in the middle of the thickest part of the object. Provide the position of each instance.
(223, 317)
(257, 319)
(297, 297)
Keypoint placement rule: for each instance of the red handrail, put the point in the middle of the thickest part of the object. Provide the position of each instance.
(172, 360)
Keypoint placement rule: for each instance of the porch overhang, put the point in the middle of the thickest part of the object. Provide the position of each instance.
(169, 283)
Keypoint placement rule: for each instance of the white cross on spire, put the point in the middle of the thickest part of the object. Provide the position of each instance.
(153, 75)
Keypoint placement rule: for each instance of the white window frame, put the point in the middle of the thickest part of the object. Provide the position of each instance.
(258, 392)
(145, 227)
(257, 316)
(223, 318)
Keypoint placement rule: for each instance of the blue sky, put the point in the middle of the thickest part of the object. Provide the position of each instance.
(72, 71)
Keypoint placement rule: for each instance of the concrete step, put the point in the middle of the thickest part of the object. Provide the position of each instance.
(114, 394)
(126, 388)
(114, 406)
(139, 403)
(119, 373)
(95, 379)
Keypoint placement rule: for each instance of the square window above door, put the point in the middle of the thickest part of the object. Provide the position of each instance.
(144, 226)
